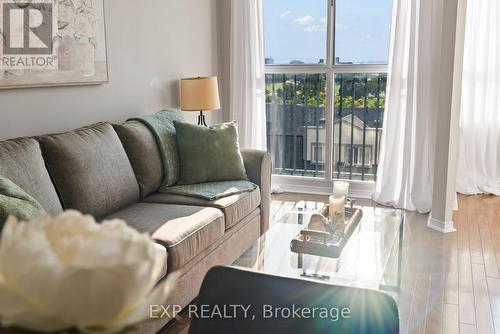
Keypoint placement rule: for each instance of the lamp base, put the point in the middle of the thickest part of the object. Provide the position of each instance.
(201, 119)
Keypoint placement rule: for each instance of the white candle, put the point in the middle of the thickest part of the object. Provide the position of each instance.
(336, 209)
(341, 189)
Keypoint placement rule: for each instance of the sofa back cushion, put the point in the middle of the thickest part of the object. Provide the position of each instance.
(91, 170)
(21, 162)
(143, 153)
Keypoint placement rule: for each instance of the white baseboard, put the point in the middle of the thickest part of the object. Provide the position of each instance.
(310, 185)
(440, 226)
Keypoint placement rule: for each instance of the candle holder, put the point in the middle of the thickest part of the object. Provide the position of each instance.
(340, 188)
(336, 210)
(330, 223)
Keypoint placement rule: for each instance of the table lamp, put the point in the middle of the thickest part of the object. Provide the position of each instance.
(200, 94)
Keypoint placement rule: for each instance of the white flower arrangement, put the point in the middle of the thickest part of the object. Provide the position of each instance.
(68, 272)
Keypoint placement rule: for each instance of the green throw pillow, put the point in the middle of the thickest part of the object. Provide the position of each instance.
(209, 154)
(16, 202)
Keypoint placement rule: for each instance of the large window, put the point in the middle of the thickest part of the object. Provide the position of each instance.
(326, 64)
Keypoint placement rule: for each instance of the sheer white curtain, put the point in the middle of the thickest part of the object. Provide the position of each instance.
(405, 173)
(247, 91)
(478, 168)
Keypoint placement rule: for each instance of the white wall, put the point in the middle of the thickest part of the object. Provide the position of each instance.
(151, 44)
(449, 87)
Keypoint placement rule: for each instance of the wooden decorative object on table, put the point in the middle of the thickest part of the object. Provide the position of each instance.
(322, 238)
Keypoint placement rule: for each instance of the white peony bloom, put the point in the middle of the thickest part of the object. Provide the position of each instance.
(70, 272)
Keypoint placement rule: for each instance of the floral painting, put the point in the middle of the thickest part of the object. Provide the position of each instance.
(79, 45)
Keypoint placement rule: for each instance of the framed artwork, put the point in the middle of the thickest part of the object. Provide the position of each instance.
(52, 43)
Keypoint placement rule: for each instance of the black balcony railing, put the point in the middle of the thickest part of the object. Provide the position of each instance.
(296, 125)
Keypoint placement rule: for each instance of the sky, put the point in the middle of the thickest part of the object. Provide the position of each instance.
(296, 30)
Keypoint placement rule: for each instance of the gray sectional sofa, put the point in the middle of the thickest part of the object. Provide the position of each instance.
(114, 171)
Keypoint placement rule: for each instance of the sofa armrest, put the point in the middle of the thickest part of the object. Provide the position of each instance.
(258, 165)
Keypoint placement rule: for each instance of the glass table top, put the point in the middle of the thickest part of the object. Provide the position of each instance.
(371, 257)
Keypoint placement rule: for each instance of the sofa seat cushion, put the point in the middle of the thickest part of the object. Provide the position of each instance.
(21, 162)
(184, 230)
(235, 207)
(91, 170)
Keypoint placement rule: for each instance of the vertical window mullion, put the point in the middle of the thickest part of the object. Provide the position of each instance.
(330, 91)
(331, 29)
(329, 116)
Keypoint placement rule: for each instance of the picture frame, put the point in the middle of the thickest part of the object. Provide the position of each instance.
(79, 45)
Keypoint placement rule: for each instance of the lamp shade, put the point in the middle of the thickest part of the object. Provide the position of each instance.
(199, 94)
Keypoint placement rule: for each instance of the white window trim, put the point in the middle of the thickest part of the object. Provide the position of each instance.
(319, 186)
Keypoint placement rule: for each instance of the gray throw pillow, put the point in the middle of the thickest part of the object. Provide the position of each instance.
(16, 202)
(209, 154)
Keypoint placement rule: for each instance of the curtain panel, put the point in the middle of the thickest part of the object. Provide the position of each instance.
(247, 83)
(478, 169)
(406, 170)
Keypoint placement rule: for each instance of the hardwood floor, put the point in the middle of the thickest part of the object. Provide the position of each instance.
(450, 283)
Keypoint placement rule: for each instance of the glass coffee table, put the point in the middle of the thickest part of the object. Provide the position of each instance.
(370, 259)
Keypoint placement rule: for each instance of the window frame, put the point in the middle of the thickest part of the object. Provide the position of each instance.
(315, 184)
